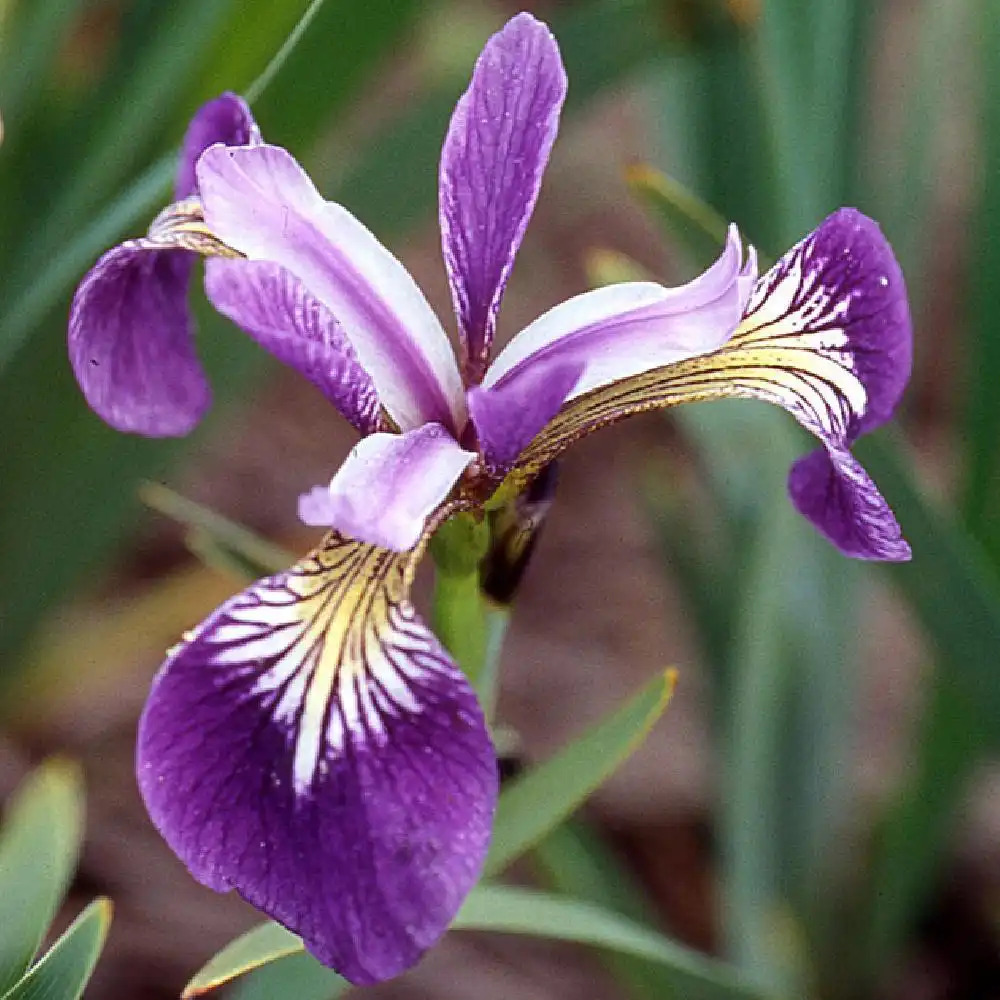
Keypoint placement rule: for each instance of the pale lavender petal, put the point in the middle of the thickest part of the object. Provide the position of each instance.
(832, 490)
(260, 201)
(492, 163)
(228, 120)
(130, 342)
(278, 311)
(624, 330)
(388, 486)
(312, 746)
(506, 418)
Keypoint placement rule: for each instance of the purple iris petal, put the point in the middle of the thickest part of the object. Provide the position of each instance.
(623, 330)
(387, 487)
(130, 342)
(834, 492)
(840, 291)
(228, 120)
(277, 310)
(492, 163)
(260, 201)
(312, 746)
(508, 417)
(130, 331)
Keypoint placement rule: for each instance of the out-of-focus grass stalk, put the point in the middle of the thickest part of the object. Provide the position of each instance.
(981, 499)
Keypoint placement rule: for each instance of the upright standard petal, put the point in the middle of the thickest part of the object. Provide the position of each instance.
(260, 201)
(388, 487)
(827, 336)
(130, 331)
(278, 311)
(312, 746)
(492, 163)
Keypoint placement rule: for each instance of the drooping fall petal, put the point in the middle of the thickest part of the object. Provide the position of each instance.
(827, 336)
(312, 746)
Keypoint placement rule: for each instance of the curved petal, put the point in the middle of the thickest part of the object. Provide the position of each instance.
(492, 163)
(312, 746)
(831, 489)
(388, 487)
(260, 201)
(130, 331)
(277, 310)
(827, 336)
(226, 119)
(508, 417)
(630, 328)
(130, 342)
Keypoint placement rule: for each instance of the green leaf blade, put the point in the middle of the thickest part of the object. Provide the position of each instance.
(538, 801)
(39, 846)
(66, 968)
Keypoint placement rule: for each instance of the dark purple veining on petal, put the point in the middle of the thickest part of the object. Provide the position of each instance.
(226, 119)
(860, 262)
(278, 311)
(130, 342)
(851, 292)
(492, 163)
(833, 491)
(261, 202)
(362, 834)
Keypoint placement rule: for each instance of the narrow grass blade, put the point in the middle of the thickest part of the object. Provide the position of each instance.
(538, 801)
(575, 862)
(250, 554)
(66, 968)
(950, 744)
(39, 846)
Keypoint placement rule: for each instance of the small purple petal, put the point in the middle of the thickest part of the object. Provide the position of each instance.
(277, 310)
(130, 342)
(492, 163)
(506, 418)
(228, 120)
(624, 330)
(312, 745)
(833, 491)
(260, 201)
(388, 486)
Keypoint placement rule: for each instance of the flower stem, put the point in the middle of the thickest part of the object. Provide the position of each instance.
(472, 629)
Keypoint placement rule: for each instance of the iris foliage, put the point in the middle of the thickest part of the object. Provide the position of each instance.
(764, 115)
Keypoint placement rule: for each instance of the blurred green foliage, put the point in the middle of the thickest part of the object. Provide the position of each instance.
(770, 115)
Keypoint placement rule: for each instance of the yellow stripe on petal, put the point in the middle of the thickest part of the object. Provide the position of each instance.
(335, 647)
(792, 348)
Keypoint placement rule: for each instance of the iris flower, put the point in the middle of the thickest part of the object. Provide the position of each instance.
(311, 743)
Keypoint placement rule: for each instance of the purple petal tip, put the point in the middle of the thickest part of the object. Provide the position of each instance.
(839, 498)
